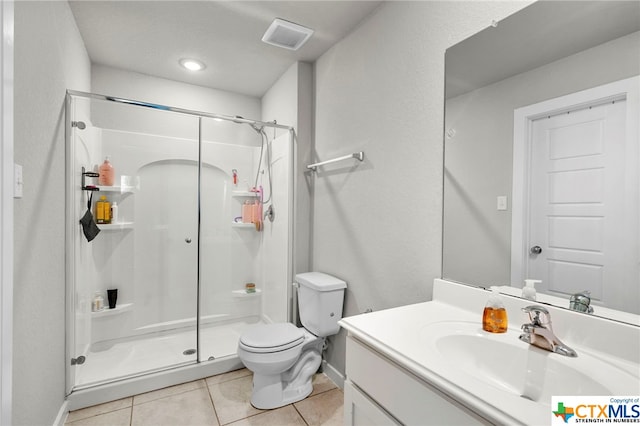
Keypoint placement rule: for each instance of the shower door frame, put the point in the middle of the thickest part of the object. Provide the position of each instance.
(170, 374)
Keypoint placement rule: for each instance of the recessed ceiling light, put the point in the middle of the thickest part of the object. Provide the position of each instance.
(192, 64)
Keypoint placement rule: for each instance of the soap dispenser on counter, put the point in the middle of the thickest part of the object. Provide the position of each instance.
(494, 317)
(529, 289)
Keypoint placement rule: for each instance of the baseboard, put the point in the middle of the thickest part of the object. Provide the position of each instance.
(335, 376)
(63, 413)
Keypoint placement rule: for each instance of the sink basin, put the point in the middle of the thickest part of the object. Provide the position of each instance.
(507, 364)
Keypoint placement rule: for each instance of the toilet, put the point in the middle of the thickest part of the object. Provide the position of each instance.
(283, 357)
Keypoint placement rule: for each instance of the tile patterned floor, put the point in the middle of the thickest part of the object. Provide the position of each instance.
(216, 400)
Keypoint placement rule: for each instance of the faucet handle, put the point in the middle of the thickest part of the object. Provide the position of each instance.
(581, 302)
(538, 315)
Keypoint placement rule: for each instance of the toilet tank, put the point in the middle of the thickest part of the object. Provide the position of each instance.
(320, 299)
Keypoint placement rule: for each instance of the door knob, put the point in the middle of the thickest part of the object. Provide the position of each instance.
(187, 240)
(535, 250)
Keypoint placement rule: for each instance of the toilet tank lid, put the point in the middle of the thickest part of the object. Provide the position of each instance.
(320, 282)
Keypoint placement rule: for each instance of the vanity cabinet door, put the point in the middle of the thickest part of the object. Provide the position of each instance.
(399, 394)
(360, 410)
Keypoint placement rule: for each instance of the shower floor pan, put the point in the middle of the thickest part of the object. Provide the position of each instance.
(150, 353)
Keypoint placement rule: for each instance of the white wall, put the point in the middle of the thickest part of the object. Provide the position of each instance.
(116, 82)
(6, 211)
(380, 90)
(477, 238)
(140, 87)
(50, 58)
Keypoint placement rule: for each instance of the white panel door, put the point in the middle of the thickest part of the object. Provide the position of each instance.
(577, 203)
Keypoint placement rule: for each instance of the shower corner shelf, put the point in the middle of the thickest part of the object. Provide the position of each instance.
(242, 194)
(243, 293)
(119, 309)
(115, 226)
(124, 190)
(243, 225)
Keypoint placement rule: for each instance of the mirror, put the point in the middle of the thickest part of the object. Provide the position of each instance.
(528, 173)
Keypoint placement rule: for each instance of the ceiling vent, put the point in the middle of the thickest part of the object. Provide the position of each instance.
(286, 34)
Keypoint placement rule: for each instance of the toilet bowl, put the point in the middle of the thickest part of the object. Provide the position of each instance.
(283, 357)
(272, 348)
(281, 374)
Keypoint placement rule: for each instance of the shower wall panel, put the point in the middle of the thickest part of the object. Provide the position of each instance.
(155, 265)
(227, 254)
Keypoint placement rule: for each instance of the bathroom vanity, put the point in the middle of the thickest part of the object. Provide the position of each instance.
(369, 399)
(431, 363)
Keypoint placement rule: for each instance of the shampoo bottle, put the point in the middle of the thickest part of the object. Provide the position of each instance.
(529, 289)
(97, 304)
(114, 212)
(255, 212)
(494, 317)
(100, 209)
(107, 210)
(247, 210)
(103, 210)
(106, 173)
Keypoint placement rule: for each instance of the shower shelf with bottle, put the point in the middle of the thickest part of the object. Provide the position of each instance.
(244, 293)
(118, 194)
(106, 312)
(243, 225)
(243, 196)
(115, 226)
(121, 192)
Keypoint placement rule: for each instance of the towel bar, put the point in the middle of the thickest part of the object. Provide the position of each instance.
(357, 155)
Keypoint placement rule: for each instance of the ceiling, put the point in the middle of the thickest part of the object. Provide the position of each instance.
(150, 37)
(543, 32)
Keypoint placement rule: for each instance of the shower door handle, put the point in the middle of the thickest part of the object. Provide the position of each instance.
(187, 240)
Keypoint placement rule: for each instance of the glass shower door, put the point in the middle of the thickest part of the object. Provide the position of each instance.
(149, 254)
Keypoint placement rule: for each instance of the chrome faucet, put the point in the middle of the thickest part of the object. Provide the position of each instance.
(539, 332)
(581, 302)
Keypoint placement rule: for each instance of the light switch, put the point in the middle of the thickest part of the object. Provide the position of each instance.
(502, 202)
(18, 183)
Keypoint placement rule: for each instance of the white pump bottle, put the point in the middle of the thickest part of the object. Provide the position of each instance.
(529, 289)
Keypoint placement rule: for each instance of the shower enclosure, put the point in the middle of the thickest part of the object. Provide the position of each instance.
(179, 254)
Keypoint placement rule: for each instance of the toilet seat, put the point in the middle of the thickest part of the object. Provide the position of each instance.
(271, 338)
